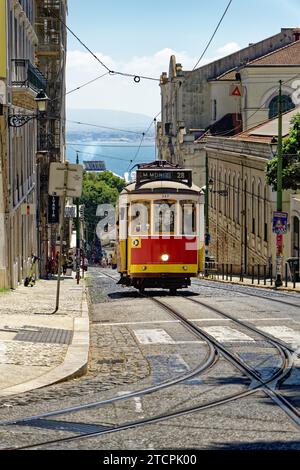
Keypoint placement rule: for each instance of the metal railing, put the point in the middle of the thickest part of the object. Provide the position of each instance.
(256, 274)
(24, 74)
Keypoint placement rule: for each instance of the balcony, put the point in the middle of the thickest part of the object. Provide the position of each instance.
(24, 74)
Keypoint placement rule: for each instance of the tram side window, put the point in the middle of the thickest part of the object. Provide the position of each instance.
(188, 217)
(164, 216)
(140, 218)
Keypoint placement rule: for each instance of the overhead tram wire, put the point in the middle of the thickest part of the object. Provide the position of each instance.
(142, 139)
(100, 155)
(108, 145)
(136, 77)
(213, 35)
(85, 84)
(104, 127)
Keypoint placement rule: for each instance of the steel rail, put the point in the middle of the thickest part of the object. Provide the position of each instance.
(210, 360)
(246, 325)
(251, 294)
(260, 384)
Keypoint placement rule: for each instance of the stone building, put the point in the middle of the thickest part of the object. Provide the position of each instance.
(241, 222)
(23, 73)
(224, 97)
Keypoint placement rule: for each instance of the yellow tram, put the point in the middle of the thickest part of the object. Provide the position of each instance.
(160, 228)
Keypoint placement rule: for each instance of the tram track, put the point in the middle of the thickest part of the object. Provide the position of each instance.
(268, 385)
(235, 288)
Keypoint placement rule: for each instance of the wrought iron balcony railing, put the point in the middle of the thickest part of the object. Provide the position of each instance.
(24, 74)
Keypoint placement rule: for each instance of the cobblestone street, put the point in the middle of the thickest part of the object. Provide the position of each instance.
(135, 345)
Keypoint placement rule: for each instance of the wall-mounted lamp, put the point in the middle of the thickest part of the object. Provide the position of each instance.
(18, 120)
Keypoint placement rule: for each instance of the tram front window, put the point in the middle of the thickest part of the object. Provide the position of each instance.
(164, 217)
(140, 218)
(188, 218)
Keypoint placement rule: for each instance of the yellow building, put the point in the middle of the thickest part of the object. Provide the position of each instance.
(3, 160)
(31, 42)
(241, 217)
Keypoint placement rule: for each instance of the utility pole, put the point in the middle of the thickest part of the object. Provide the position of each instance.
(278, 281)
(207, 236)
(77, 234)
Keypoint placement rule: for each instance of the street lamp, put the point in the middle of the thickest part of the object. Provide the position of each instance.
(19, 120)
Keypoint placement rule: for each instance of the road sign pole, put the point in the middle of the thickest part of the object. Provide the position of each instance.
(278, 281)
(77, 236)
(62, 223)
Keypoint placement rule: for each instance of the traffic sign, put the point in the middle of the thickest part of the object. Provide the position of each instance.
(235, 90)
(280, 220)
(73, 186)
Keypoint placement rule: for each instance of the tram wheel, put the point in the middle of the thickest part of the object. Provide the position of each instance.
(173, 291)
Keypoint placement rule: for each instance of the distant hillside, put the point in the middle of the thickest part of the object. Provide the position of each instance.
(109, 118)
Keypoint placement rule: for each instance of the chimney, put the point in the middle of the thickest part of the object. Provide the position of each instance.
(296, 33)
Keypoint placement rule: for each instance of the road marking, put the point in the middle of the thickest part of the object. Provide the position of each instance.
(226, 334)
(284, 333)
(157, 336)
(265, 319)
(140, 322)
(138, 405)
(153, 322)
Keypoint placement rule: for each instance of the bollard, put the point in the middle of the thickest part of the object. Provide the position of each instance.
(258, 274)
(271, 274)
(226, 272)
(231, 272)
(223, 271)
(265, 275)
(253, 274)
(286, 275)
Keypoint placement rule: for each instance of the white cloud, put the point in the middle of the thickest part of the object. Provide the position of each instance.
(122, 93)
(229, 48)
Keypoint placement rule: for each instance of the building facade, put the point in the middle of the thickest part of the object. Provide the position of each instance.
(224, 97)
(240, 219)
(22, 76)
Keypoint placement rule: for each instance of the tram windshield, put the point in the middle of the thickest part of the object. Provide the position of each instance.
(140, 218)
(188, 217)
(164, 217)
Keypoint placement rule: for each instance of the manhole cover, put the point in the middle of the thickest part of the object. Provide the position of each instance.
(44, 335)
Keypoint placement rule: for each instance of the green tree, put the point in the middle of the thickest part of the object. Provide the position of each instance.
(290, 161)
(98, 188)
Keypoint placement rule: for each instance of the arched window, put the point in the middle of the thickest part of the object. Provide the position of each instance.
(229, 195)
(238, 201)
(225, 199)
(295, 239)
(233, 199)
(219, 188)
(215, 183)
(265, 216)
(259, 209)
(287, 104)
(253, 206)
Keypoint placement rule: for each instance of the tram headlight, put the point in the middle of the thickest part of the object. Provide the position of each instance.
(165, 257)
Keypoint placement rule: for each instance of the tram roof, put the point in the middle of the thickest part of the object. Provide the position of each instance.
(159, 186)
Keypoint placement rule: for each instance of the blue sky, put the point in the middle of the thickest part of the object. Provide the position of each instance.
(139, 37)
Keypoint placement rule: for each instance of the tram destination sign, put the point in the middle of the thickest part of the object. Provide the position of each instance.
(178, 176)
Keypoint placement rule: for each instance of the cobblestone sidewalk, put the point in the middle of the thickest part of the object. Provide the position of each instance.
(36, 347)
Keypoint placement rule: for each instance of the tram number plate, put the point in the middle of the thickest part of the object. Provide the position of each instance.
(165, 196)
